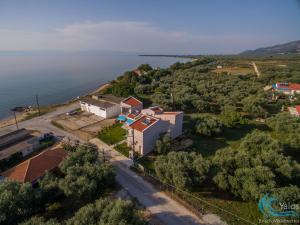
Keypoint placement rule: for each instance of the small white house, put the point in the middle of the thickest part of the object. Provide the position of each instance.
(100, 108)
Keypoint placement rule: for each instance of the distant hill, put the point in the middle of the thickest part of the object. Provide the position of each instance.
(287, 48)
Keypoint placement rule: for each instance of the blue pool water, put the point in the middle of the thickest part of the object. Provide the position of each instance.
(121, 118)
(129, 121)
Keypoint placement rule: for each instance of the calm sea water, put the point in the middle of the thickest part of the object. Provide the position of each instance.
(58, 79)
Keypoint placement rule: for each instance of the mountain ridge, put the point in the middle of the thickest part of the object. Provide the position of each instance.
(286, 48)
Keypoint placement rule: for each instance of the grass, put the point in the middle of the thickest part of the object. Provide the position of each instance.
(209, 199)
(230, 137)
(113, 134)
(245, 210)
(235, 70)
(123, 149)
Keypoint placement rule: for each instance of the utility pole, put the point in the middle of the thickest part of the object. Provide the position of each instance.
(37, 103)
(103, 154)
(172, 99)
(16, 120)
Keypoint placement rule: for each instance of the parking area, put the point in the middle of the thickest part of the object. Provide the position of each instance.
(84, 124)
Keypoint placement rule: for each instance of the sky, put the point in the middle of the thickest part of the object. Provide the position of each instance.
(148, 26)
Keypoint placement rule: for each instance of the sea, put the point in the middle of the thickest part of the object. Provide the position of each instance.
(58, 78)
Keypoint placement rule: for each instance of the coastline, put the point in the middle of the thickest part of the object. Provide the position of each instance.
(10, 120)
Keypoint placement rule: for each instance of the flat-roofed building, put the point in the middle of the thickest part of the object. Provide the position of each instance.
(19, 141)
(106, 106)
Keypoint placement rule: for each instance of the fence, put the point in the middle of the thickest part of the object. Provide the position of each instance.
(190, 201)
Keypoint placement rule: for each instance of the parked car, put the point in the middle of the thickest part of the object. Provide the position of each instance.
(71, 113)
(47, 137)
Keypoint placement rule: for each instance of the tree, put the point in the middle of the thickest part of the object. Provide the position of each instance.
(254, 105)
(17, 201)
(107, 212)
(145, 67)
(231, 117)
(40, 220)
(287, 129)
(182, 169)
(163, 144)
(208, 125)
(49, 185)
(85, 175)
(287, 194)
(250, 183)
(255, 167)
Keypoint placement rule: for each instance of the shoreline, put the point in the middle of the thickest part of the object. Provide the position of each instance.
(10, 120)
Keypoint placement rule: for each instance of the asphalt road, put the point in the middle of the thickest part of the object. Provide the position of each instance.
(165, 209)
(161, 206)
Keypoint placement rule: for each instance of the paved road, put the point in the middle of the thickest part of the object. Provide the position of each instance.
(168, 211)
(43, 123)
(157, 202)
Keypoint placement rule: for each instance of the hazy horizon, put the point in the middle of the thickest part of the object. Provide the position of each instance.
(156, 27)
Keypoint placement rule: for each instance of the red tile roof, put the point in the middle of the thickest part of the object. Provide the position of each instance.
(289, 86)
(35, 167)
(143, 123)
(298, 108)
(156, 109)
(132, 101)
(132, 116)
(294, 86)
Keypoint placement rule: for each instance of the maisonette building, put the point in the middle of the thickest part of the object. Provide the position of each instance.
(286, 88)
(145, 126)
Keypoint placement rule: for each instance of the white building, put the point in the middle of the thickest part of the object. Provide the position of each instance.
(103, 106)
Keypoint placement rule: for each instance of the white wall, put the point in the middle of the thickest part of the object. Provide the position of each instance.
(113, 111)
(98, 111)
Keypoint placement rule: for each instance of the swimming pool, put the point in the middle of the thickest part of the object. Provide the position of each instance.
(121, 118)
(129, 121)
